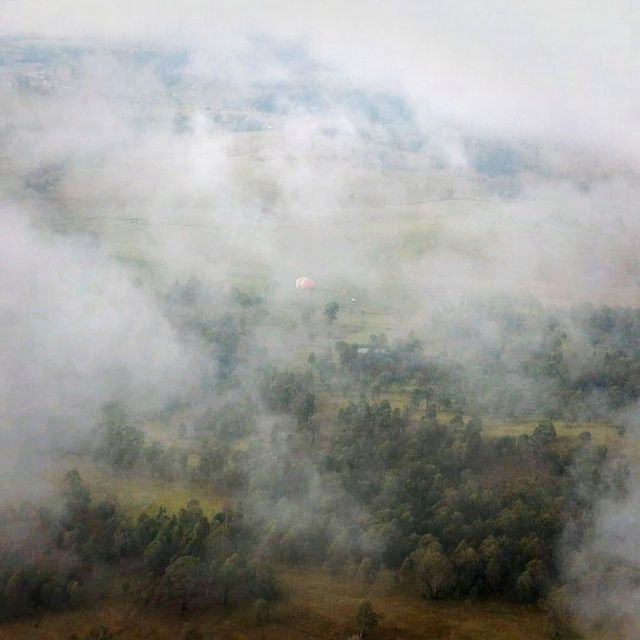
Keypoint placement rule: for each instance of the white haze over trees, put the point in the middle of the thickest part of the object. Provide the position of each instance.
(508, 129)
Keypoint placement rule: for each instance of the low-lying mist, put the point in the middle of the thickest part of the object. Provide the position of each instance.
(467, 205)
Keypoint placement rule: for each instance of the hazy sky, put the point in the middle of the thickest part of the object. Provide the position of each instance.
(560, 70)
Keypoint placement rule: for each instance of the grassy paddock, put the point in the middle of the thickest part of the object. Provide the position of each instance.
(138, 494)
(601, 432)
(333, 600)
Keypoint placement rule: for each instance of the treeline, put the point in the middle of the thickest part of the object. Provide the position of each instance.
(496, 357)
(123, 447)
(391, 487)
(368, 486)
(434, 501)
(182, 559)
(580, 364)
(453, 513)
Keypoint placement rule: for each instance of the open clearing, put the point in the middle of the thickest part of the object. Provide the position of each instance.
(316, 606)
(137, 494)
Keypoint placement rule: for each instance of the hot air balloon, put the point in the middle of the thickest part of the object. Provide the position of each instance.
(305, 283)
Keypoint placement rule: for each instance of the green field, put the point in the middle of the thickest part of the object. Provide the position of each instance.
(136, 493)
(601, 432)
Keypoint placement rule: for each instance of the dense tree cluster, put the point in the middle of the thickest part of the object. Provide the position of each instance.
(327, 468)
(121, 445)
(425, 506)
(578, 364)
(380, 366)
(184, 558)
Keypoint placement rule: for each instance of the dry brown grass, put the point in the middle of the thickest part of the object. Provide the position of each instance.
(317, 606)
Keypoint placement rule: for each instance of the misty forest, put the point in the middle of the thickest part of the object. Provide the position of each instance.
(319, 320)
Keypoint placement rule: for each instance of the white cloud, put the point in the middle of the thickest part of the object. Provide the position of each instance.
(562, 71)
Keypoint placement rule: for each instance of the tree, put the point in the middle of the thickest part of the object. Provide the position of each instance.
(98, 632)
(331, 311)
(261, 611)
(189, 632)
(433, 572)
(467, 564)
(544, 434)
(154, 456)
(494, 568)
(180, 580)
(525, 589)
(366, 618)
(230, 577)
(585, 437)
(159, 552)
(368, 570)
(558, 625)
(417, 397)
(305, 407)
(532, 583)
(120, 443)
(76, 495)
